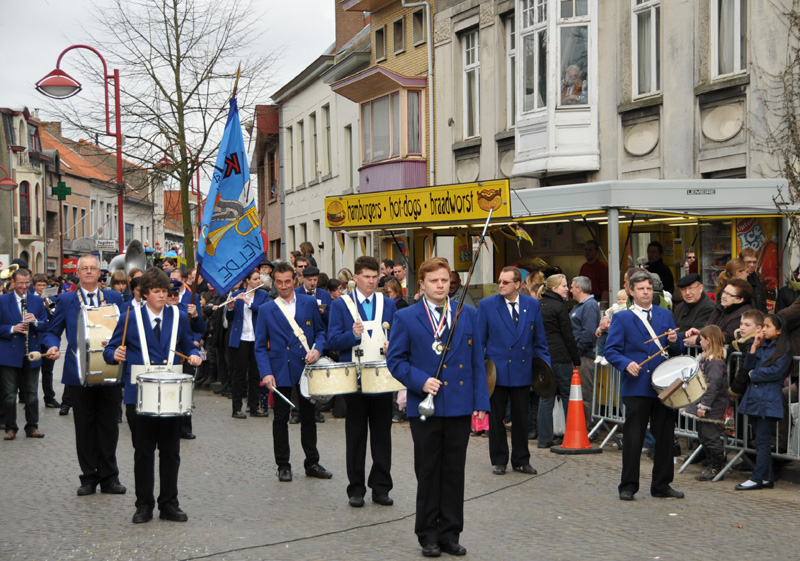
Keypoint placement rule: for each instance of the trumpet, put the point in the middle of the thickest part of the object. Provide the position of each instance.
(8, 271)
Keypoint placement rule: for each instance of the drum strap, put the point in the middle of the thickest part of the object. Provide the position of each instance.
(653, 335)
(292, 323)
(137, 311)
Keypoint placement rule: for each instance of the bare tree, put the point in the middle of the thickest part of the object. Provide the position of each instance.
(177, 60)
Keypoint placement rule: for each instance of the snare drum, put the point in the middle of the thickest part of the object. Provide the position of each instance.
(326, 377)
(684, 368)
(95, 327)
(375, 378)
(164, 394)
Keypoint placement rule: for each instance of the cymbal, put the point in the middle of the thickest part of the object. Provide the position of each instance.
(544, 381)
(491, 375)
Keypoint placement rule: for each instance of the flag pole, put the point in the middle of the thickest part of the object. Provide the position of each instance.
(236, 83)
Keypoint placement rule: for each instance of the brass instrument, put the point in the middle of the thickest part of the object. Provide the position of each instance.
(8, 271)
(133, 258)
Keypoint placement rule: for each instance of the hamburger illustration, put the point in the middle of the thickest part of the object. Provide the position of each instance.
(335, 213)
(489, 198)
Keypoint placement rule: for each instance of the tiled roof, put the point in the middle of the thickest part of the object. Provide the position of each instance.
(74, 163)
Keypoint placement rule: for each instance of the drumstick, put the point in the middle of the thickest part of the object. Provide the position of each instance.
(659, 336)
(182, 355)
(125, 330)
(283, 397)
(650, 358)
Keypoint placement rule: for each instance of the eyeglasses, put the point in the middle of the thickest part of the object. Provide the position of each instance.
(300, 267)
(726, 293)
(88, 269)
(691, 257)
(505, 282)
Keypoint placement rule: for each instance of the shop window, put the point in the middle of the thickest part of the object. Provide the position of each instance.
(511, 72)
(534, 47)
(418, 27)
(380, 126)
(380, 44)
(573, 35)
(414, 144)
(646, 46)
(399, 35)
(471, 83)
(24, 208)
(729, 36)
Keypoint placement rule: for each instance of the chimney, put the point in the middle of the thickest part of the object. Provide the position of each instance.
(53, 128)
(348, 24)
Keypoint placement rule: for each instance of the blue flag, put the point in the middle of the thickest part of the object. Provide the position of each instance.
(231, 244)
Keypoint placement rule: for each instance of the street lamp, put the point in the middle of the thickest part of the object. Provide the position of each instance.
(194, 183)
(60, 85)
(7, 184)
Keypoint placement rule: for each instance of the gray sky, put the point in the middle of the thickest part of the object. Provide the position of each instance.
(36, 31)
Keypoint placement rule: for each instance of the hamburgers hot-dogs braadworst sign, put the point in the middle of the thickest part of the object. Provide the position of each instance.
(435, 205)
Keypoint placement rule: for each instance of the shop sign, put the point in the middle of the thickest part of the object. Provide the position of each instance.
(106, 244)
(70, 266)
(469, 202)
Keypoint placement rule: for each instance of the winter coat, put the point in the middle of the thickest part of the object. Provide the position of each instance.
(558, 329)
(741, 377)
(786, 296)
(763, 395)
(715, 400)
(693, 315)
(727, 319)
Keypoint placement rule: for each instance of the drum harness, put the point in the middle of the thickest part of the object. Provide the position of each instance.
(656, 340)
(368, 341)
(137, 311)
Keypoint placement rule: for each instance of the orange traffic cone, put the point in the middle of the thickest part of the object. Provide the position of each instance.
(576, 439)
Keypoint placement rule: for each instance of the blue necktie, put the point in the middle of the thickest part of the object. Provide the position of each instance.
(514, 313)
(445, 329)
(157, 329)
(91, 299)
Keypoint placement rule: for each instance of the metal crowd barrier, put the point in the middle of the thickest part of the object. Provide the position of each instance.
(609, 412)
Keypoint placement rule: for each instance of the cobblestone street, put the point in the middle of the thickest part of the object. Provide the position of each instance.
(239, 511)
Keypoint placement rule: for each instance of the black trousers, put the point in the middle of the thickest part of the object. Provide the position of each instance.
(498, 440)
(638, 411)
(245, 377)
(280, 430)
(96, 414)
(149, 432)
(224, 361)
(25, 381)
(47, 379)
(373, 414)
(440, 455)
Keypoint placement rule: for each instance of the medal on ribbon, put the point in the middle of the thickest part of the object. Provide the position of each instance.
(437, 345)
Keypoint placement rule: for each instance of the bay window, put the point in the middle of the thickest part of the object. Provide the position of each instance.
(646, 46)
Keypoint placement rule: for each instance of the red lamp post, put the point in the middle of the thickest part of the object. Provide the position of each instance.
(194, 180)
(60, 85)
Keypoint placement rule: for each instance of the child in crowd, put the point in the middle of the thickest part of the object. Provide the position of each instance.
(622, 304)
(750, 323)
(767, 363)
(711, 409)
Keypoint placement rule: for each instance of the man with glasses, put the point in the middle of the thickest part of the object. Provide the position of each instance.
(510, 326)
(690, 266)
(96, 408)
(750, 258)
(300, 264)
(696, 307)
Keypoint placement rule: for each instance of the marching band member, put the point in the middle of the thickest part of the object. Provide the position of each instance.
(419, 334)
(22, 319)
(511, 328)
(356, 328)
(96, 408)
(284, 328)
(242, 315)
(50, 401)
(309, 288)
(152, 333)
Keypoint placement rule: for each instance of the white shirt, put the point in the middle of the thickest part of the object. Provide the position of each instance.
(641, 312)
(510, 305)
(248, 334)
(291, 305)
(153, 317)
(96, 298)
(435, 315)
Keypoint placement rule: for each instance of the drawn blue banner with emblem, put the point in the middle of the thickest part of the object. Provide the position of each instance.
(231, 244)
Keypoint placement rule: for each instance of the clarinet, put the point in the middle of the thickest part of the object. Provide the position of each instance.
(31, 356)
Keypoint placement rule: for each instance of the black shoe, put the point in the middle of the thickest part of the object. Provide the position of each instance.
(284, 474)
(87, 489)
(259, 413)
(669, 493)
(238, 415)
(767, 484)
(533, 435)
(499, 470)
(188, 435)
(431, 550)
(319, 417)
(294, 419)
(64, 410)
(115, 488)
(52, 404)
(526, 469)
(356, 501)
(626, 495)
(172, 512)
(749, 485)
(143, 514)
(453, 548)
(318, 471)
(382, 499)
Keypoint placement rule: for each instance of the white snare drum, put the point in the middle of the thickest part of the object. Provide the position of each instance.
(95, 327)
(684, 368)
(326, 377)
(375, 378)
(164, 394)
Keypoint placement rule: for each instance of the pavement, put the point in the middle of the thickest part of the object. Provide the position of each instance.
(238, 510)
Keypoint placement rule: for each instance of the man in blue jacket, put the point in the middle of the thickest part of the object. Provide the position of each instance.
(309, 288)
(289, 335)
(96, 408)
(626, 350)
(585, 317)
(19, 332)
(511, 328)
(365, 413)
(416, 344)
